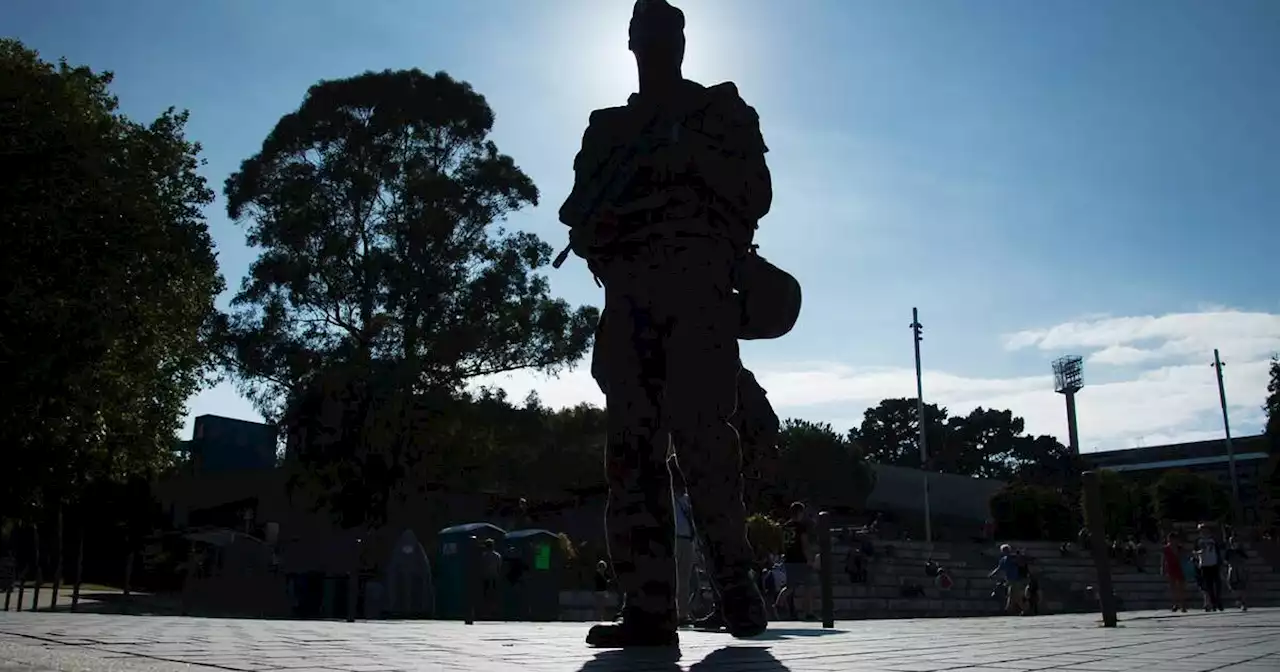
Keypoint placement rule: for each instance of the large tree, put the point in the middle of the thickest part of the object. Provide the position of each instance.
(986, 443)
(889, 433)
(1269, 488)
(377, 207)
(107, 281)
(820, 466)
(1272, 406)
(386, 279)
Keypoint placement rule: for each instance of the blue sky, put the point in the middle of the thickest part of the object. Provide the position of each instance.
(1038, 178)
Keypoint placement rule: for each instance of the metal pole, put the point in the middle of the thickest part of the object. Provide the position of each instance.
(1093, 511)
(825, 563)
(916, 327)
(1231, 453)
(1073, 433)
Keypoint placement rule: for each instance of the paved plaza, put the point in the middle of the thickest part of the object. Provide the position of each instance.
(1198, 642)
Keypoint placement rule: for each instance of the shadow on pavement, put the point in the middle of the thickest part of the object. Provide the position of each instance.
(791, 633)
(754, 658)
(729, 658)
(639, 660)
(151, 605)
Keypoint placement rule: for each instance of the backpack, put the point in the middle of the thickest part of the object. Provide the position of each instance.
(770, 298)
(1209, 553)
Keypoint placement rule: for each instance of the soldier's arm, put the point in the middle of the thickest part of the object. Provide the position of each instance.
(586, 166)
(735, 168)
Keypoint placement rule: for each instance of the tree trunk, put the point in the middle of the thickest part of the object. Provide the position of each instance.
(35, 592)
(75, 592)
(57, 562)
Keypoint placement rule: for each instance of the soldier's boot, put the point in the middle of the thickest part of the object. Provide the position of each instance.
(741, 609)
(635, 629)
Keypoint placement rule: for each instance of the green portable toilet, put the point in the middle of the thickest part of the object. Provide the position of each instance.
(536, 596)
(457, 565)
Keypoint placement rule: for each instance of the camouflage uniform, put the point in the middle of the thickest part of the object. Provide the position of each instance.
(686, 209)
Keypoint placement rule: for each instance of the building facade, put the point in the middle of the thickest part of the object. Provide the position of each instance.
(1207, 458)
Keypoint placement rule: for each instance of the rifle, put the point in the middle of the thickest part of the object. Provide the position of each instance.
(622, 173)
(610, 185)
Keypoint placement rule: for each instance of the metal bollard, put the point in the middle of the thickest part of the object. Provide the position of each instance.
(1094, 511)
(22, 588)
(471, 574)
(824, 569)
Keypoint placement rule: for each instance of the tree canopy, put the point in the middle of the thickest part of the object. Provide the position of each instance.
(377, 205)
(986, 443)
(821, 466)
(107, 281)
(386, 282)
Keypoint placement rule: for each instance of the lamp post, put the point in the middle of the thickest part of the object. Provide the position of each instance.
(1226, 428)
(916, 328)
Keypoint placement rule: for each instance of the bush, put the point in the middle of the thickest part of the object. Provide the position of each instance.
(765, 535)
(1126, 506)
(1030, 513)
(1181, 496)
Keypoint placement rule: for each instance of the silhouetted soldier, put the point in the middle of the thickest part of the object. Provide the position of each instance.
(667, 193)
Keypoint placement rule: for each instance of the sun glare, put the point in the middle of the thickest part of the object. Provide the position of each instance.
(592, 45)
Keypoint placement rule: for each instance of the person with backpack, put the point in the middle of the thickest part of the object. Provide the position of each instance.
(1014, 585)
(797, 554)
(686, 576)
(1237, 573)
(1208, 554)
(491, 563)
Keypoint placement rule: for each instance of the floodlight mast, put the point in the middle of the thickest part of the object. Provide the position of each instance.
(1068, 378)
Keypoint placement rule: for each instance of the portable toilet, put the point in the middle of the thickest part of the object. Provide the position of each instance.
(457, 569)
(536, 595)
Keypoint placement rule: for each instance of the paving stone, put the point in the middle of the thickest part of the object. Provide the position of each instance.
(1239, 642)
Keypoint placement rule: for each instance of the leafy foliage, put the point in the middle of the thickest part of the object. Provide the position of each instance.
(765, 535)
(1272, 407)
(818, 465)
(385, 284)
(1181, 496)
(985, 443)
(375, 205)
(107, 282)
(1032, 512)
(1126, 505)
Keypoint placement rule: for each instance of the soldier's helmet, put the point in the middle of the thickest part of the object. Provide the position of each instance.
(770, 298)
(654, 22)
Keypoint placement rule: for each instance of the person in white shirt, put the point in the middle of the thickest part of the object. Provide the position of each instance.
(1209, 557)
(686, 550)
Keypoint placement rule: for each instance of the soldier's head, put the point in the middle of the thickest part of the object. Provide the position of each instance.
(656, 36)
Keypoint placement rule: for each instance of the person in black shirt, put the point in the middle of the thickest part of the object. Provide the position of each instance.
(603, 583)
(796, 555)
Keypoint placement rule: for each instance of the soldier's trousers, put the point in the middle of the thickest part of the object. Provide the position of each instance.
(669, 356)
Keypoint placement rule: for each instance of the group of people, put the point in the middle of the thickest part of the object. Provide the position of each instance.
(1019, 581)
(1210, 563)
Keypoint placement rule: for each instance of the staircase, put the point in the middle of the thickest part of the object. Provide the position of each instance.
(1138, 590)
(898, 564)
(1064, 582)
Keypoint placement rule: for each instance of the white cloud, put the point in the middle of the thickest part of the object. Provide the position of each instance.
(1171, 395)
(1126, 341)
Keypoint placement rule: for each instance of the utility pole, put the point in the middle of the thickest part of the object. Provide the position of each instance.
(916, 328)
(1231, 453)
